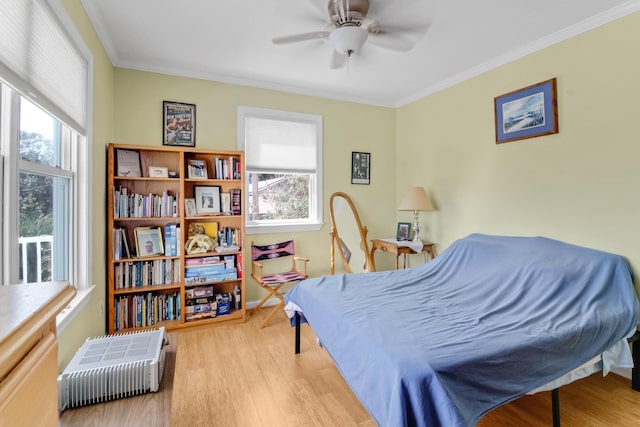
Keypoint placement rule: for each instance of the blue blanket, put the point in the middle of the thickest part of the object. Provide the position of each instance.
(487, 321)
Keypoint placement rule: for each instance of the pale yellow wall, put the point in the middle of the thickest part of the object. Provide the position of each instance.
(581, 185)
(347, 127)
(91, 321)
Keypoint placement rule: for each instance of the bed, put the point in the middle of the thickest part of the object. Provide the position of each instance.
(489, 320)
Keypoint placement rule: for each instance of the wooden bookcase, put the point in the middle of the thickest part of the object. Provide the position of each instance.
(149, 291)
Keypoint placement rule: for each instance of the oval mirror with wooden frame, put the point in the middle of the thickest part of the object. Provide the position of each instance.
(348, 235)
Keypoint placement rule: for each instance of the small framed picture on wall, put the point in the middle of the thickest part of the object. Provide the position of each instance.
(360, 168)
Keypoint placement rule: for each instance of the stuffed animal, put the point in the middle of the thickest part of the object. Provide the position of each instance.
(199, 243)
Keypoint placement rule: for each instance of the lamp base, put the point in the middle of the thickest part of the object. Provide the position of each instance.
(416, 227)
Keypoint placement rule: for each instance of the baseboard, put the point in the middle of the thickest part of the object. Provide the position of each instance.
(270, 302)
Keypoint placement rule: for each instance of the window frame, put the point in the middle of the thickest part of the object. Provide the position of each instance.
(76, 154)
(80, 215)
(315, 221)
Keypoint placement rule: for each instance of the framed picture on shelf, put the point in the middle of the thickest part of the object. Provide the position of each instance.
(148, 241)
(526, 113)
(158, 172)
(128, 163)
(403, 231)
(207, 199)
(360, 168)
(197, 169)
(179, 124)
(190, 207)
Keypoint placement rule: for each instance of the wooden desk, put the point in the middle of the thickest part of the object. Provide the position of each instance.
(29, 352)
(398, 248)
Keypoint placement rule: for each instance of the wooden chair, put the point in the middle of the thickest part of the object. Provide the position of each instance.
(272, 282)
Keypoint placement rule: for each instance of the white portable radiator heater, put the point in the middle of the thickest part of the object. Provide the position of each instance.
(111, 367)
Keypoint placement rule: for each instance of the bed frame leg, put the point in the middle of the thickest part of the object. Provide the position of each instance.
(635, 350)
(297, 323)
(555, 407)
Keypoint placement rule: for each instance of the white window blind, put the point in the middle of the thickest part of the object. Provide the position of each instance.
(41, 60)
(272, 144)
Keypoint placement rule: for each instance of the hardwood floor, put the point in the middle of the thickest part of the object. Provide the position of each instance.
(241, 375)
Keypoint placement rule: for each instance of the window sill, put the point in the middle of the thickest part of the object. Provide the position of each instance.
(75, 306)
(282, 228)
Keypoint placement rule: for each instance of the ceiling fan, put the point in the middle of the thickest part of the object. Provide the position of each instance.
(350, 24)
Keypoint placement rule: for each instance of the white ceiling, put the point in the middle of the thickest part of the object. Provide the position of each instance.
(230, 41)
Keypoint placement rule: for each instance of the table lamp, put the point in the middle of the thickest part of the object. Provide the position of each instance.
(416, 200)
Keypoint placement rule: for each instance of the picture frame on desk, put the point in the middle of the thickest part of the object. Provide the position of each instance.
(148, 241)
(128, 163)
(207, 199)
(403, 232)
(179, 124)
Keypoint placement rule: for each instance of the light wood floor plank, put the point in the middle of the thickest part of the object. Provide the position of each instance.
(243, 376)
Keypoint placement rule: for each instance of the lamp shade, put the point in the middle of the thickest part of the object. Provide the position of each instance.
(416, 199)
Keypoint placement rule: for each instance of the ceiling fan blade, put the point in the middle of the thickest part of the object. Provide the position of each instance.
(401, 38)
(415, 29)
(314, 35)
(337, 60)
(384, 8)
(391, 41)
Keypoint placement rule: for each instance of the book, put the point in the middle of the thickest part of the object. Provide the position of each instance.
(116, 236)
(127, 252)
(179, 241)
(170, 240)
(205, 270)
(229, 261)
(239, 264)
(202, 261)
(236, 201)
(225, 202)
(218, 277)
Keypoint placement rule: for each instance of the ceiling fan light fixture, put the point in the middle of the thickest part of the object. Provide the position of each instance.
(348, 39)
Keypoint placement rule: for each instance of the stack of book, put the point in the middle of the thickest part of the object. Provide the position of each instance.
(200, 303)
(227, 168)
(127, 205)
(207, 270)
(133, 274)
(142, 310)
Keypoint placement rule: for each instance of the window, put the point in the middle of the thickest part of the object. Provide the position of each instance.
(44, 204)
(283, 156)
(39, 198)
(45, 88)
